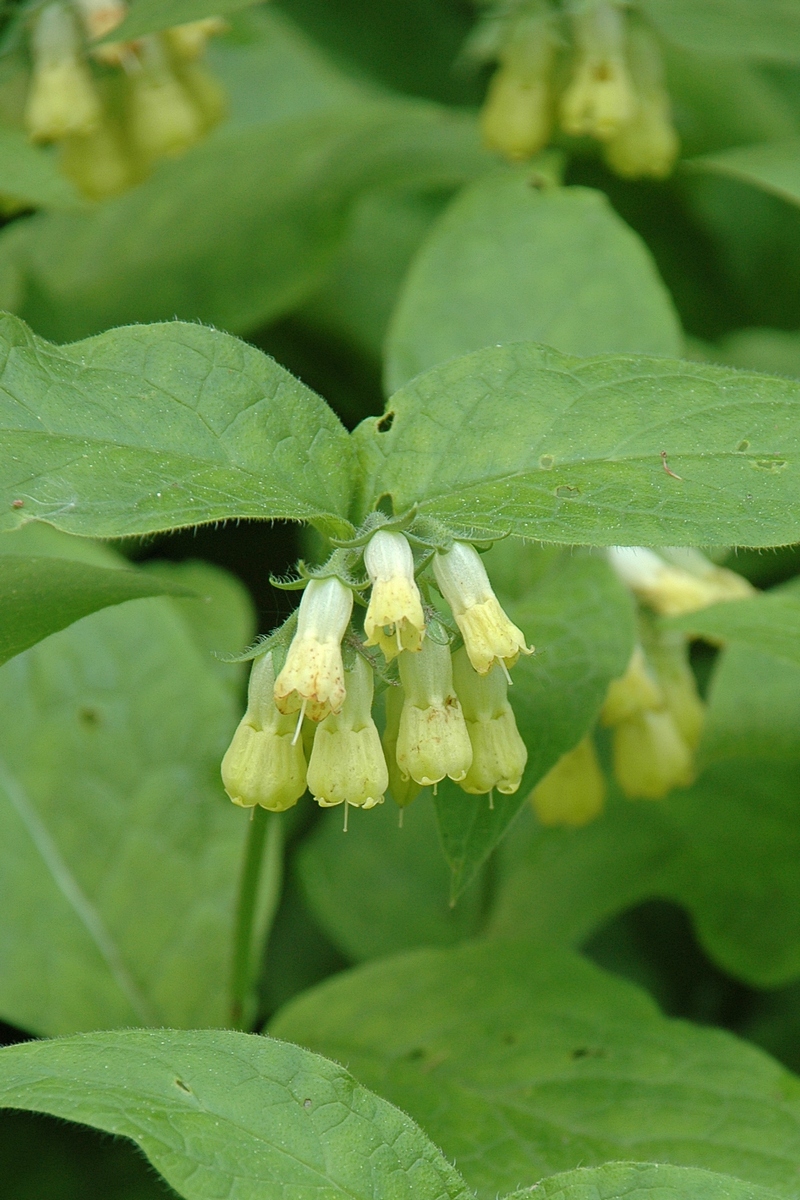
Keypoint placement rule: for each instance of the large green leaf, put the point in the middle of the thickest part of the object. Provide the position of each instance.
(39, 596)
(231, 1114)
(120, 853)
(522, 1061)
(641, 1181)
(521, 439)
(508, 262)
(769, 624)
(754, 706)
(400, 872)
(581, 620)
(772, 166)
(769, 29)
(726, 849)
(147, 428)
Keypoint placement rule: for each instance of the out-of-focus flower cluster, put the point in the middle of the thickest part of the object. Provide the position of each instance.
(591, 68)
(309, 721)
(654, 711)
(115, 108)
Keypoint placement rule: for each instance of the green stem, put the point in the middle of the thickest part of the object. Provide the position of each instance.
(266, 828)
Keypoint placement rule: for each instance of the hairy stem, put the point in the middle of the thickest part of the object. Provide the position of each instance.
(262, 868)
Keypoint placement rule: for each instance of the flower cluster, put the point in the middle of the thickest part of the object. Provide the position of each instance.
(654, 711)
(446, 713)
(596, 72)
(115, 108)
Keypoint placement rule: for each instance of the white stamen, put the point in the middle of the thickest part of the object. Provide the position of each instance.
(509, 680)
(346, 808)
(400, 819)
(491, 799)
(299, 726)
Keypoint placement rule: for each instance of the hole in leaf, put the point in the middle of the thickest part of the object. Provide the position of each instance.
(183, 1086)
(386, 422)
(769, 464)
(566, 492)
(743, 445)
(307, 1103)
(546, 462)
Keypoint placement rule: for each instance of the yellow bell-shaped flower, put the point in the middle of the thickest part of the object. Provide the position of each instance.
(62, 98)
(312, 678)
(394, 619)
(572, 792)
(489, 636)
(499, 754)
(264, 763)
(347, 765)
(432, 741)
(601, 98)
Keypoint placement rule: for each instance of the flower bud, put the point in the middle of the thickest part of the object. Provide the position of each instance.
(650, 756)
(312, 678)
(432, 741)
(648, 144)
(573, 792)
(600, 99)
(347, 764)
(188, 42)
(489, 636)
(98, 163)
(674, 590)
(633, 692)
(264, 763)
(100, 16)
(668, 652)
(499, 754)
(394, 619)
(517, 115)
(163, 120)
(404, 790)
(62, 99)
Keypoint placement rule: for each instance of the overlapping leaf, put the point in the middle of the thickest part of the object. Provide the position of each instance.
(508, 262)
(147, 428)
(640, 1181)
(619, 449)
(119, 850)
(232, 1114)
(522, 1062)
(39, 596)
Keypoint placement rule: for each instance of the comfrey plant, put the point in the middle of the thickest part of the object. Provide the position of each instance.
(435, 727)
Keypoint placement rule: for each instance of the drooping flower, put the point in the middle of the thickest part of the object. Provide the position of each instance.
(650, 756)
(573, 792)
(673, 589)
(432, 741)
(264, 763)
(394, 619)
(312, 678)
(347, 765)
(601, 98)
(62, 99)
(648, 144)
(489, 635)
(517, 116)
(499, 754)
